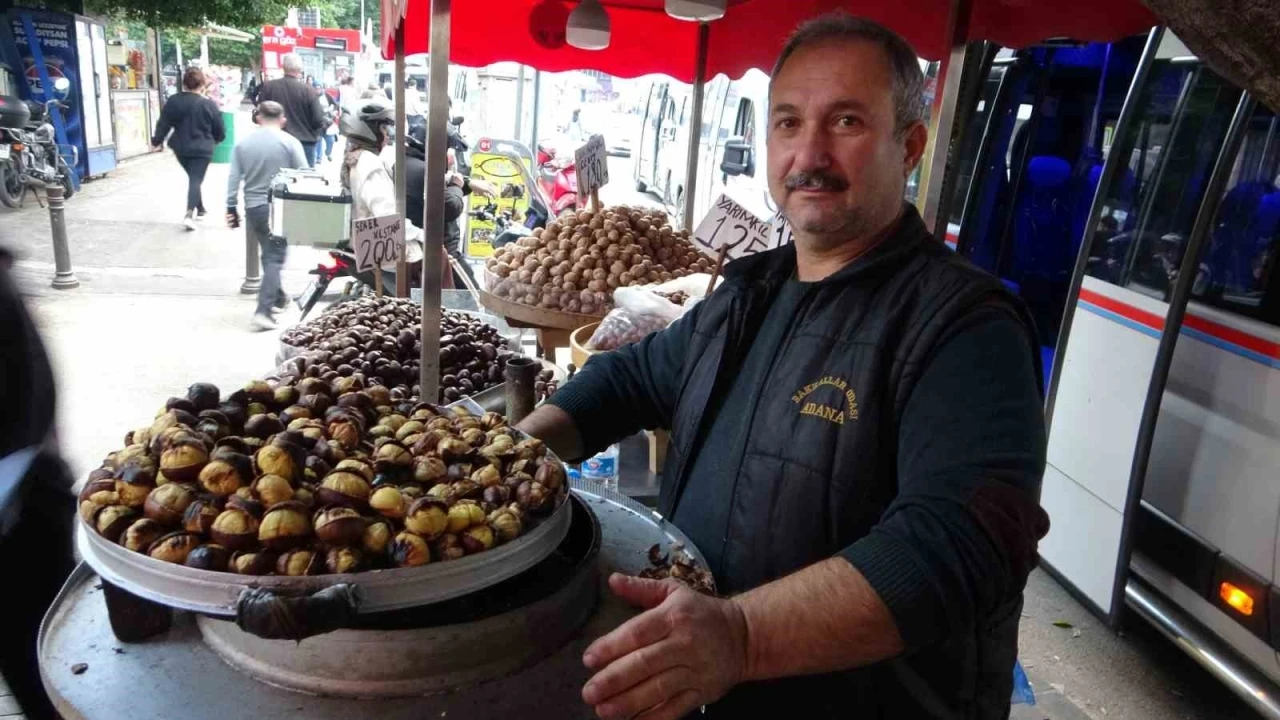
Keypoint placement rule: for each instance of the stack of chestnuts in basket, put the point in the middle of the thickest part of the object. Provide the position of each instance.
(576, 261)
(380, 337)
(321, 476)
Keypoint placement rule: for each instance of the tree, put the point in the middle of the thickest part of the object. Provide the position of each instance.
(176, 14)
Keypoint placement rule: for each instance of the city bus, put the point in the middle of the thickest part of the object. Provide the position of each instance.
(1128, 194)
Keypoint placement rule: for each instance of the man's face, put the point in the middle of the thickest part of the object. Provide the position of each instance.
(837, 165)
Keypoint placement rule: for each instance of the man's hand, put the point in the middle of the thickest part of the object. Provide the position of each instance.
(482, 187)
(684, 651)
(233, 218)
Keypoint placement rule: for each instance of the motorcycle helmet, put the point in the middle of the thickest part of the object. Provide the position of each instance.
(368, 120)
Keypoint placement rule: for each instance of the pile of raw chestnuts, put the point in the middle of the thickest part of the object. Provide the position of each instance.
(319, 476)
(576, 261)
(380, 338)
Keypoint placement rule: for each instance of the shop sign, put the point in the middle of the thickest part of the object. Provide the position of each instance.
(501, 170)
(330, 43)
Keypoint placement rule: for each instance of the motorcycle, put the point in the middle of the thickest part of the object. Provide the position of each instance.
(30, 156)
(558, 180)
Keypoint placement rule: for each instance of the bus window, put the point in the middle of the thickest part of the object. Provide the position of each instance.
(1237, 265)
(1167, 199)
(744, 126)
(967, 157)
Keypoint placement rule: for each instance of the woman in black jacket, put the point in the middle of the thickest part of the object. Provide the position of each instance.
(196, 124)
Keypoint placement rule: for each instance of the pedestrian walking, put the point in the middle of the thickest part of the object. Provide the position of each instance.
(256, 159)
(332, 111)
(191, 124)
(307, 120)
(347, 92)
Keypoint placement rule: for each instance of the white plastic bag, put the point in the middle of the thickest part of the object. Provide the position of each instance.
(637, 311)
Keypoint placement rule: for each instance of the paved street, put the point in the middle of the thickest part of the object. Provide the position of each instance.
(159, 308)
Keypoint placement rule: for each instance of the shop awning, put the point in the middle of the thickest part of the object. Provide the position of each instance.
(646, 40)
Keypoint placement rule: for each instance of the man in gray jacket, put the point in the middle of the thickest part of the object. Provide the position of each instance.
(256, 160)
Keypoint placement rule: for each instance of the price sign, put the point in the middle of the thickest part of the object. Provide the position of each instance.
(733, 229)
(592, 166)
(377, 240)
(780, 232)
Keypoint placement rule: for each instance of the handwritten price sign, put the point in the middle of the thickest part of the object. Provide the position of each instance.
(378, 240)
(592, 165)
(780, 232)
(732, 228)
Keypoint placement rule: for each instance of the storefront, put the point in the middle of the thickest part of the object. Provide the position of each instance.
(135, 104)
(328, 54)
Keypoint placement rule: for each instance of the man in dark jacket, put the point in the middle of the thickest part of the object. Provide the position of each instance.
(857, 438)
(457, 188)
(301, 103)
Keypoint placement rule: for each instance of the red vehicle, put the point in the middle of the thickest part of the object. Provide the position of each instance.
(558, 178)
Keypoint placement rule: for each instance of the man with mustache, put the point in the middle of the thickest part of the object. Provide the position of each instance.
(857, 438)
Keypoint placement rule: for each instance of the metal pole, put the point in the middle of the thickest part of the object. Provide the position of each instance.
(537, 100)
(953, 67)
(690, 192)
(252, 277)
(63, 278)
(433, 207)
(402, 129)
(519, 103)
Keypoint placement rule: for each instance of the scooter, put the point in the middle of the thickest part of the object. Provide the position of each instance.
(30, 156)
(558, 179)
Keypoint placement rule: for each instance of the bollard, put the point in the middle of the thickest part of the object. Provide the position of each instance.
(252, 277)
(63, 278)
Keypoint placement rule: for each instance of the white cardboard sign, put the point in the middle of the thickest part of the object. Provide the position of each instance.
(735, 227)
(592, 166)
(377, 240)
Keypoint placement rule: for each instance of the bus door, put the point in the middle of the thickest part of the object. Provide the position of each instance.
(1157, 192)
(650, 128)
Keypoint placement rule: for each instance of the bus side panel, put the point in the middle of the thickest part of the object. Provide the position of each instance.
(1094, 430)
(1214, 463)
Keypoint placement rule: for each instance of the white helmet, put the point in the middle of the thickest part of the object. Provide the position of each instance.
(367, 119)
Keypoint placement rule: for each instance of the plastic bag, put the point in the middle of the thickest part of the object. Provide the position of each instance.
(1022, 692)
(636, 313)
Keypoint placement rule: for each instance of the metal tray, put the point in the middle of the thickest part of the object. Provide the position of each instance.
(216, 593)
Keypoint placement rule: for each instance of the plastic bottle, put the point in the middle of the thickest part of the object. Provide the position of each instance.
(603, 468)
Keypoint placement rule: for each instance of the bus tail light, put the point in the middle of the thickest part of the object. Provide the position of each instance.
(1237, 599)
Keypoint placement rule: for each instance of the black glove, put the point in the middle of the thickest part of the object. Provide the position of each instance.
(233, 217)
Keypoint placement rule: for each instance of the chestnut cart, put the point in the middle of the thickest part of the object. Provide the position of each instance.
(510, 650)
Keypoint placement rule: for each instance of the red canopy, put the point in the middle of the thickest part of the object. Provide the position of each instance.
(646, 40)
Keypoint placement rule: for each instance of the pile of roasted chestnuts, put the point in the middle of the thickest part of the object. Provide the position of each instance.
(318, 476)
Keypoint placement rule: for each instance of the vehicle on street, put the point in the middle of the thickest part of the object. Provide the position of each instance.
(30, 157)
(1085, 178)
(557, 178)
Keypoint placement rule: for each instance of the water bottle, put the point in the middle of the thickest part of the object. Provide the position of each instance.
(603, 468)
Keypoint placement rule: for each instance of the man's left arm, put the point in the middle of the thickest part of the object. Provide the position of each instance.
(958, 541)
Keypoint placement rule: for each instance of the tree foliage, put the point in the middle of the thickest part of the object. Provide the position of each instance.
(173, 14)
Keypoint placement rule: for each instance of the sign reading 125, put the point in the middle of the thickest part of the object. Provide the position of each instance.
(731, 228)
(592, 166)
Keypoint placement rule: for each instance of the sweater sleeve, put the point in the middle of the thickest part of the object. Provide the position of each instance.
(219, 128)
(164, 124)
(960, 537)
(233, 180)
(633, 388)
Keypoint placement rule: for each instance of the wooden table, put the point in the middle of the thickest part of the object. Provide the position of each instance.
(553, 327)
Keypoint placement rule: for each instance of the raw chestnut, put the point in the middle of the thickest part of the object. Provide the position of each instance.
(341, 560)
(174, 547)
(235, 529)
(284, 526)
(410, 550)
(111, 520)
(341, 487)
(296, 563)
(209, 557)
(139, 535)
(339, 526)
(167, 504)
(428, 517)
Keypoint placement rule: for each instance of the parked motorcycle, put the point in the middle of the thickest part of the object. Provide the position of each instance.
(558, 179)
(30, 156)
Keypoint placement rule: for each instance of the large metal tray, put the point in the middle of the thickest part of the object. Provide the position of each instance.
(216, 593)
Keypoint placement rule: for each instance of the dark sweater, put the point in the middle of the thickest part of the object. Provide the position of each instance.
(889, 415)
(196, 124)
(304, 117)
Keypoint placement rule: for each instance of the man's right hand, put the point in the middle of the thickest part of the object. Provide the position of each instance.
(233, 218)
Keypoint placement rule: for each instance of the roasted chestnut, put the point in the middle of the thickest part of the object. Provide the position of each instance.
(111, 520)
(428, 469)
(409, 550)
(428, 517)
(174, 547)
(346, 433)
(140, 534)
(262, 425)
(388, 501)
(463, 515)
(448, 547)
(258, 391)
(284, 526)
(343, 560)
(412, 427)
(551, 475)
(530, 448)
(133, 483)
(305, 496)
(235, 529)
(487, 476)
(261, 562)
(452, 448)
(201, 513)
(167, 503)
(227, 472)
(273, 489)
(497, 495)
(506, 524)
(209, 557)
(203, 396)
(339, 526)
(491, 420)
(341, 487)
(360, 467)
(300, 562)
(183, 460)
(477, 538)
(247, 499)
(534, 496)
(275, 459)
(393, 453)
(377, 538)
